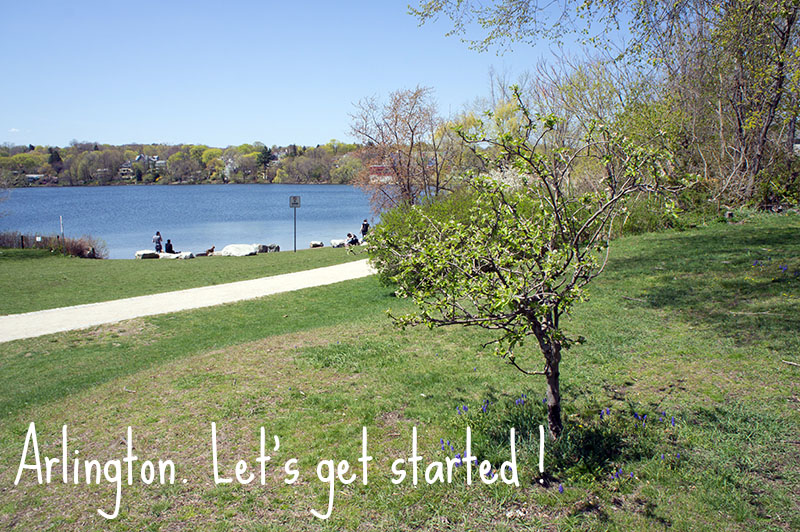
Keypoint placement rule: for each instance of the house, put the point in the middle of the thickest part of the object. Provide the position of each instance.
(149, 162)
(126, 170)
(33, 178)
(380, 173)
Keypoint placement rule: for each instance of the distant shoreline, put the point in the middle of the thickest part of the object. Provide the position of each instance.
(120, 184)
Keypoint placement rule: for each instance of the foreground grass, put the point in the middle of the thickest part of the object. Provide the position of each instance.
(35, 279)
(695, 324)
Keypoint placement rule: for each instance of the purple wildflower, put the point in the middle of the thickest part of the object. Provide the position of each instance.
(466, 408)
(673, 421)
(560, 488)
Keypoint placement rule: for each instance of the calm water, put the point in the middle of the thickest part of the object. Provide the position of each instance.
(194, 217)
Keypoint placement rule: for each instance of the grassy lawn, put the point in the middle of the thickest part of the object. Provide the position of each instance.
(693, 326)
(35, 279)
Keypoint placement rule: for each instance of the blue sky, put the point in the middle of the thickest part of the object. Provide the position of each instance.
(222, 73)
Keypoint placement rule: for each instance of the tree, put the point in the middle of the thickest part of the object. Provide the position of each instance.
(405, 154)
(346, 170)
(265, 158)
(520, 255)
(55, 160)
(727, 69)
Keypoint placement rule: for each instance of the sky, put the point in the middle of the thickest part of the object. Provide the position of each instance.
(223, 73)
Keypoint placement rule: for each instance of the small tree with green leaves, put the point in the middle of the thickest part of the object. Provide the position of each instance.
(521, 252)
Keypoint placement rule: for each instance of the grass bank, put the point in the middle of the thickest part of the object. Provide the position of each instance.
(35, 279)
(687, 326)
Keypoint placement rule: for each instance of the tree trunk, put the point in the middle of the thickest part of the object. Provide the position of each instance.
(553, 358)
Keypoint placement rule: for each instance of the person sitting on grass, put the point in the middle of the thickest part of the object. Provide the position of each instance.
(352, 240)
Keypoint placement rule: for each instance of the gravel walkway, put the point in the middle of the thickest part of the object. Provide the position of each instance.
(32, 324)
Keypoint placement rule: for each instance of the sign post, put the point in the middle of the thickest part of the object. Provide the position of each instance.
(294, 203)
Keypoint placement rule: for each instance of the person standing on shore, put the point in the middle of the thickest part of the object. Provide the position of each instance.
(157, 241)
(364, 229)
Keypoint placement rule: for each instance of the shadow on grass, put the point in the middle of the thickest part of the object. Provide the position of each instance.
(742, 281)
(590, 448)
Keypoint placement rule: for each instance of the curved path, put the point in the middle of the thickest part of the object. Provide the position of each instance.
(32, 324)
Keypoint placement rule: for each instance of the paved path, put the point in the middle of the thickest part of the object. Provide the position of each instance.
(32, 324)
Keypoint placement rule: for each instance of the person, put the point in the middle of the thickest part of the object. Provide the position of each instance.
(168, 247)
(157, 241)
(352, 240)
(364, 229)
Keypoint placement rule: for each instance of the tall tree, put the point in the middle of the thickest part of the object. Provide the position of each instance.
(265, 158)
(405, 151)
(728, 69)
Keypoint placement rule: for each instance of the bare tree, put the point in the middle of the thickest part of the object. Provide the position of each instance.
(408, 149)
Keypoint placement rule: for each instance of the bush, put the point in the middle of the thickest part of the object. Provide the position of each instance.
(397, 224)
(84, 247)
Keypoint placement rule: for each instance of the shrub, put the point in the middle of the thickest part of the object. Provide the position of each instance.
(397, 224)
(84, 247)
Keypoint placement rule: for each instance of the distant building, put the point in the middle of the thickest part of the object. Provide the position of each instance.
(126, 170)
(380, 173)
(149, 162)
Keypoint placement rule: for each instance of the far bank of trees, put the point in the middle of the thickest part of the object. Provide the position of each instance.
(88, 163)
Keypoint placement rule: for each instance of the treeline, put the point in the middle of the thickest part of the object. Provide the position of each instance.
(87, 163)
(712, 86)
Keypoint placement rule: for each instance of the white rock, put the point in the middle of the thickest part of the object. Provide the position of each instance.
(238, 250)
(146, 254)
(337, 243)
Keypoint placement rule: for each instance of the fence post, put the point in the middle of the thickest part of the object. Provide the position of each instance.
(21, 242)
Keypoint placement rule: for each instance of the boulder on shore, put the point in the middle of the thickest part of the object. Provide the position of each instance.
(316, 244)
(146, 254)
(238, 250)
(337, 243)
(180, 255)
(272, 248)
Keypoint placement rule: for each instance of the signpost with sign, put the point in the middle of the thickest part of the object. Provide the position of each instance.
(294, 203)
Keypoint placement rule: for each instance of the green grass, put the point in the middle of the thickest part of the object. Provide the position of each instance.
(33, 279)
(681, 322)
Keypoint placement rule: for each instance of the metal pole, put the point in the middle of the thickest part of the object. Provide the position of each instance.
(295, 229)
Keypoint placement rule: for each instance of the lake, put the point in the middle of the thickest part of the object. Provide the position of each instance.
(194, 217)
